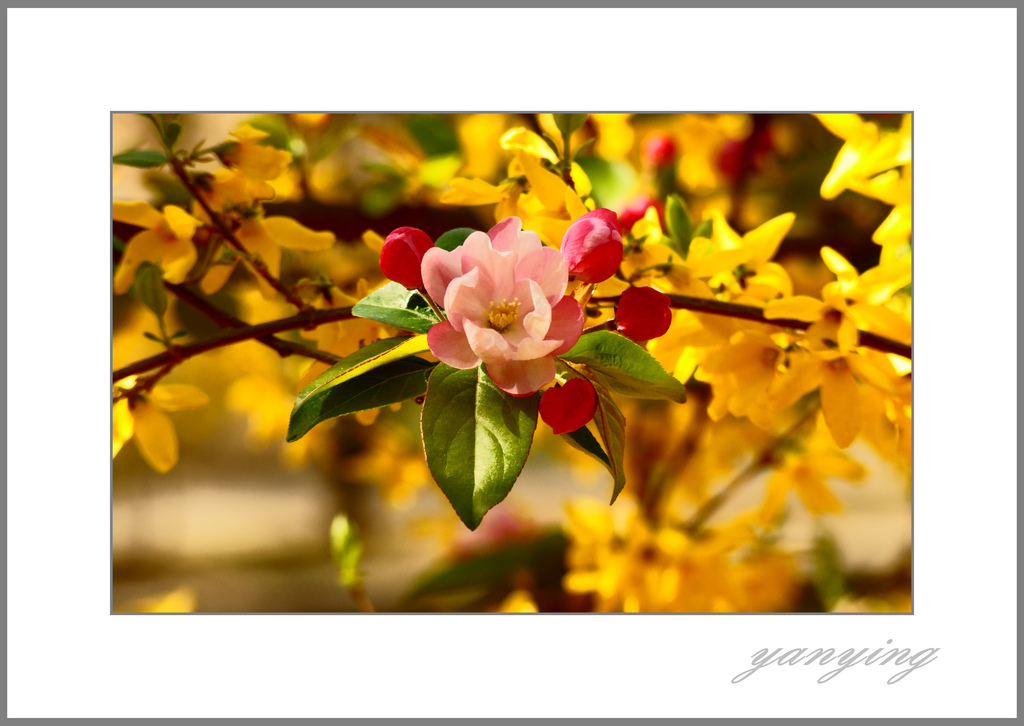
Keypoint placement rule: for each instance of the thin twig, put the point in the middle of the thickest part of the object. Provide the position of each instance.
(765, 458)
(284, 348)
(229, 236)
(306, 320)
(754, 314)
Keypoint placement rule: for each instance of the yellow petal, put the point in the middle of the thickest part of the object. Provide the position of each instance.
(471, 192)
(580, 180)
(155, 437)
(256, 241)
(883, 321)
(546, 185)
(847, 337)
(844, 125)
(717, 262)
(249, 133)
(798, 307)
(147, 246)
(373, 240)
(723, 237)
(816, 496)
(182, 224)
(765, 240)
(215, 278)
(178, 397)
(141, 214)
(770, 281)
(838, 264)
(177, 259)
(574, 205)
(260, 163)
(522, 139)
(802, 377)
(293, 236)
(840, 402)
(124, 426)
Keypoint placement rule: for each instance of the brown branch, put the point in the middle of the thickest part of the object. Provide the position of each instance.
(231, 239)
(305, 320)
(284, 348)
(765, 458)
(754, 314)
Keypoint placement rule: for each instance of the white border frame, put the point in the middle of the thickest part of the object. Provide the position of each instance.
(956, 69)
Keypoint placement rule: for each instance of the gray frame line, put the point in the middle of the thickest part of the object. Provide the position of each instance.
(913, 559)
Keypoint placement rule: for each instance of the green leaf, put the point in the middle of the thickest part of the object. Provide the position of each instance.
(390, 383)
(677, 219)
(476, 438)
(149, 286)
(346, 550)
(376, 375)
(611, 427)
(703, 230)
(569, 123)
(395, 305)
(453, 238)
(141, 159)
(171, 133)
(625, 367)
(583, 440)
(434, 133)
(118, 244)
(828, 579)
(497, 569)
(612, 181)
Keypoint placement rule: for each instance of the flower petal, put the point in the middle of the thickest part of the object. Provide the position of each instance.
(293, 236)
(155, 437)
(146, 246)
(547, 186)
(487, 343)
(467, 298)
(215, 278)
(438, 268)
(497, 269)
(522, 377)
(566, 324)
(508, 236)
(141, 214)
(548, 267)
(798, 307)
(530, 349)
(471, 192)
(183, 225)
(840, 402)
(178, 397)
(451, 346)
(537, 321)
(124, 426)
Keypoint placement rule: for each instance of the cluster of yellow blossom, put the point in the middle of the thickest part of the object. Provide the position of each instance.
(639, 567)
(741, 334)
(191, 246)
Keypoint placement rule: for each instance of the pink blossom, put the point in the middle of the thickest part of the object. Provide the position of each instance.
(504, 295)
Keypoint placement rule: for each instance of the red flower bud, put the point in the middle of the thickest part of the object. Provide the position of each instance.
(659, 150)
(401, 256)
(644, 313)
(568, 407)
(592, 246)
(636, 210)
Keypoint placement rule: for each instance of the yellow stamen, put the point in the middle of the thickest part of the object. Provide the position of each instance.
(501, 317)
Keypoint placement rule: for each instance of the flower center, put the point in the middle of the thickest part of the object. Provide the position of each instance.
(502, 316)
